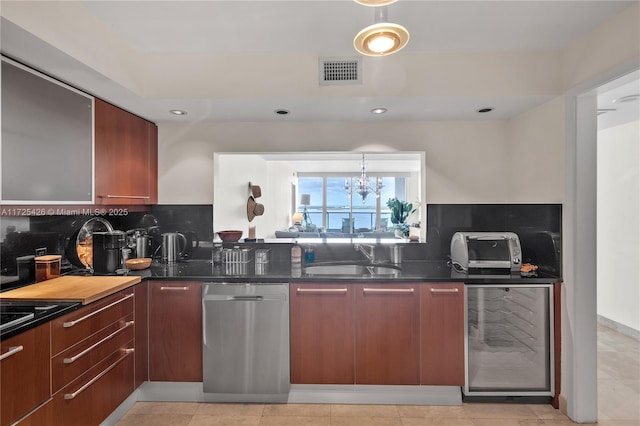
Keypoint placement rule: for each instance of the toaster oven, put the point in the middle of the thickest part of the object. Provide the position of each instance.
(486, 251)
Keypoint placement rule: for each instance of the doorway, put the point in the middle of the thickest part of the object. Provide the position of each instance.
(580, 246)
(618, 238)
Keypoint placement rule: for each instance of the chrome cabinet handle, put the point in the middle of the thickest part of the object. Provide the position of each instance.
(174, 288)
(443, 290)
(95, 345)
(321, 290)
(12, 350)
(388, 290)
(79, 320)
(72, 395)
(137, 197)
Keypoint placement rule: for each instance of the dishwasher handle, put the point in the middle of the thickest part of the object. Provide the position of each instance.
(247, 298)
(241, 298)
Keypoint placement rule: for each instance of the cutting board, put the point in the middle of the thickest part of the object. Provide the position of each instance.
(71, 289)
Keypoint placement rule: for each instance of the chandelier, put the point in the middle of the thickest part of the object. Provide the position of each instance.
(361, 184)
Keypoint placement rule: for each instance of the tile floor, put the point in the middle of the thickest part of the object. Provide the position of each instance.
(618, 404)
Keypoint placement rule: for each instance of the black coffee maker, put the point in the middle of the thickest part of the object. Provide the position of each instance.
(107, 252)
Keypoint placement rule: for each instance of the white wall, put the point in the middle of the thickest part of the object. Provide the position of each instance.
(615, 42)
(619, 224)
(232, 190)
(466, 162)
(536, 148)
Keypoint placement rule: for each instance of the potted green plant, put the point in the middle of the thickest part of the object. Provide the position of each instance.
(400, 211)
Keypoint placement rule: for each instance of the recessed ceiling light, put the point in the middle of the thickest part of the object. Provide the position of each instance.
(624, 99)
(378, 111)
(381, 39)
(282, 111)
(178, 112)
(485, 110)
(375, 3)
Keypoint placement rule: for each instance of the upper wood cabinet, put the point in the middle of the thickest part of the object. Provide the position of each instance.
(126, 157)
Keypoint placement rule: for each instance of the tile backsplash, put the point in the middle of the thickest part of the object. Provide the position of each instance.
(539, 227)
(22, 235)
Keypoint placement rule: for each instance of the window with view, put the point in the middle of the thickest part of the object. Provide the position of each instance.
(334, 209)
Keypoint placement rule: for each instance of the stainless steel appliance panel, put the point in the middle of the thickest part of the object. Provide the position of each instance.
(246, 338)
(509, 343)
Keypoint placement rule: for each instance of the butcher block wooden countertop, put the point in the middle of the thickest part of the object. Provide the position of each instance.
(85, 289)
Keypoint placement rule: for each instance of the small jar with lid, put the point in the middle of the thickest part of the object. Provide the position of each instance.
(47, 267)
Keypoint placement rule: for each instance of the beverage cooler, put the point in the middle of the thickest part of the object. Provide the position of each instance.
(508, 340)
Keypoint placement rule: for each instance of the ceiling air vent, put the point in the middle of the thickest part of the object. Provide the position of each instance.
(339, 71)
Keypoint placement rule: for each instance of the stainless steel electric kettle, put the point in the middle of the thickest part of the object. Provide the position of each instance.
(173, 246)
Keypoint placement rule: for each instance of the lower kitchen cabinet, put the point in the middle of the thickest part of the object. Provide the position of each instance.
(25, 373)
(141, 317)
(41, 416)
(387, 334)
(442, 334)
(92, 359)
(175, 331)
(95, 394)
(322, 333)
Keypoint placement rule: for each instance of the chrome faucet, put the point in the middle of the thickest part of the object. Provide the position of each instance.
(368, 250)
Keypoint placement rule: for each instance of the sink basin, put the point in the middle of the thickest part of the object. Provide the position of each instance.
(355, 270)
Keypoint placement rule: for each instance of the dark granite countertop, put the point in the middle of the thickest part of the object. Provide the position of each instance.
(428, 271)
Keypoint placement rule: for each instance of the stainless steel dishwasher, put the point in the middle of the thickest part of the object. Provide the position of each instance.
(246, 342)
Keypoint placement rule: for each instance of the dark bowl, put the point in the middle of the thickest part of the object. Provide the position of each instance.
(230, 236)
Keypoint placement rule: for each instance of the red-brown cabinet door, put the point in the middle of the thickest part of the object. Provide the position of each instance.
(442, 340)
(322, 333)
(125, 157)
(175, 331)
(25, 373)
(388, 333)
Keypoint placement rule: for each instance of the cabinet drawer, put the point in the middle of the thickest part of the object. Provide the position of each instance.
(76, 326)
(91, 398)
(42, 416)
(71, 363)
(24, 373)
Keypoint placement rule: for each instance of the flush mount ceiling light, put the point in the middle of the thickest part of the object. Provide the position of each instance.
(382, 38)
(178, 112)
(378, 111)
(375, 3)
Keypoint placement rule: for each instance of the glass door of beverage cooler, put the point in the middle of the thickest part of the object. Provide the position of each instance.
(509, 341)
